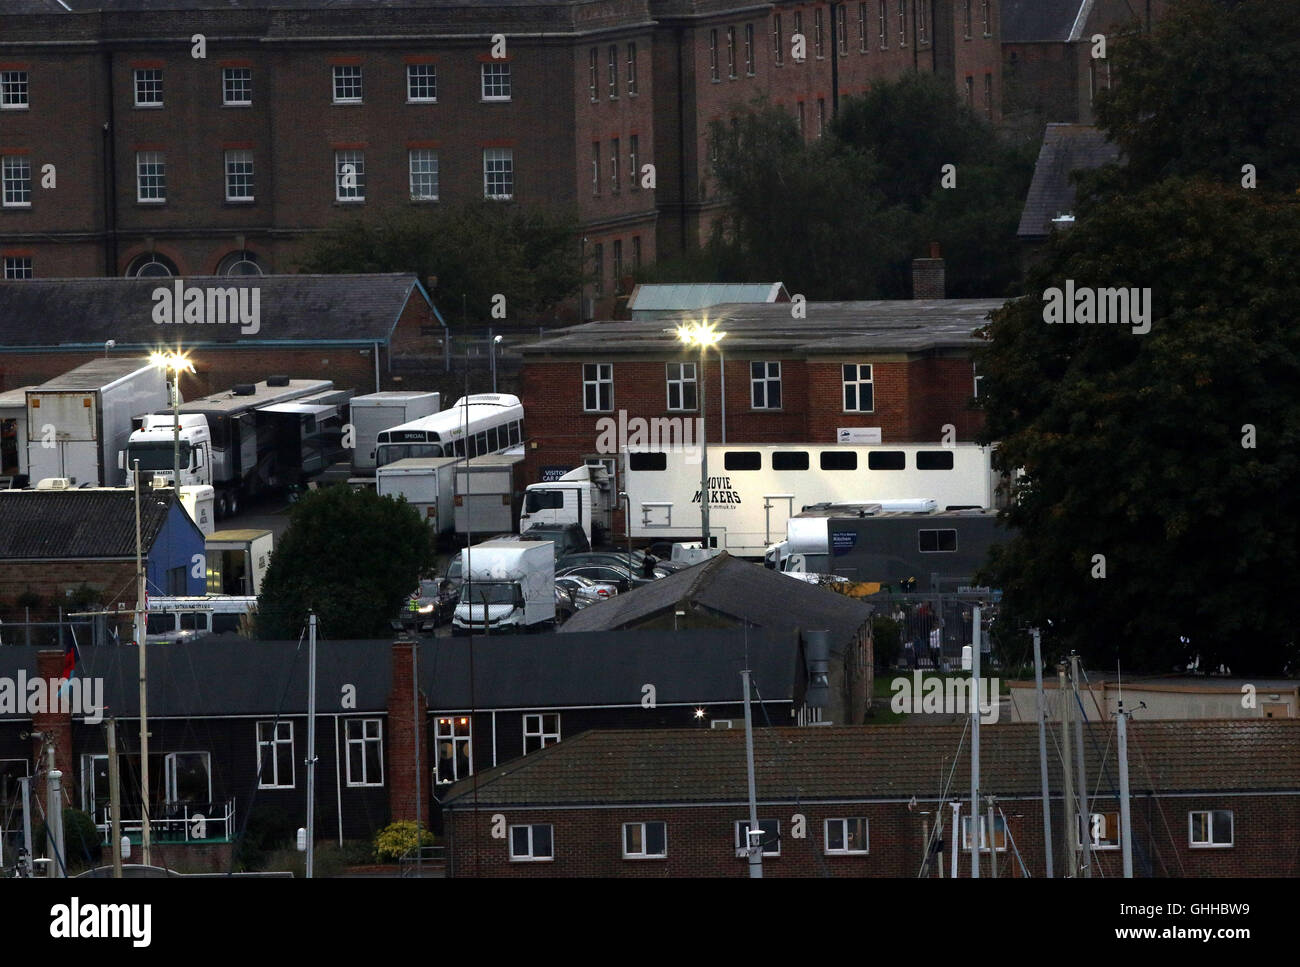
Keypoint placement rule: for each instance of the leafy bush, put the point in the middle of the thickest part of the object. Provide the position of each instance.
(269, 828)
(81, 840)
(396, 839)
(887, 639)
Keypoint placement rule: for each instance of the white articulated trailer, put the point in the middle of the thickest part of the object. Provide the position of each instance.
(754, 489)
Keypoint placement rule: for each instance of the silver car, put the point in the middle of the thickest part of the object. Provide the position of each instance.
(584, 591)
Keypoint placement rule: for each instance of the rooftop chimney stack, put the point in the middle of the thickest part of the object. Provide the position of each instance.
(928, 276)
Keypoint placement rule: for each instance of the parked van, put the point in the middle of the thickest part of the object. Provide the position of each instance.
(173, 619)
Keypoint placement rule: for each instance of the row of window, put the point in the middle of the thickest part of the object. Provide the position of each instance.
(364, 758)
(988, 94)
(620, 266)
(842, 30)
(792, 460)
(453, 740)
(240, 180)
(849, 836)
(764, 385)
(615, 164)
(612, 60)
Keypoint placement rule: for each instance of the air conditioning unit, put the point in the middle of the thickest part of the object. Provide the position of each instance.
(55, 483)
(720, 724)
(159, 483)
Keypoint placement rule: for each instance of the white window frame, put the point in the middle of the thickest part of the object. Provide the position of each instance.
(595, 169)
(169, 775)
(529, 857)
(17, 267)
(363, 740)
(445, 729)
(634, 174)
(778, 41)
(713, 55)
(742, 838)
(13, 180)
(235, 158)
(884, 24)
(427, 159)
(765, 381)
(1101, 821)
(615, 163)
(421, 76)
(593, 78)
(357, 158)
(493, 161)
(230, 85)
(151, 159)
(140, 83)
(343, 77)
(819, 33)
(858, 382)
(681, 382)
(999, 822)
(863, 44)
(494, 75)
(612, 57)
(731, 53)
(15, 90)
(844, 834)
(749, 50)
(842, 29)
(618, 264)
(602, 375)
(535, 727)
(984, 13)
(921, 25)
(902, 23)
(644, 853)
(1210, 843)
(271, 745)
(631, 69)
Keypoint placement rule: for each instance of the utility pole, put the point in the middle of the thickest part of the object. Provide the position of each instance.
(975, 747)
(755, 837)
(1042, 751)
(1085, 827)
(1125, 819)
(1072, 858)
(704, 456)
(993, 842)
(114, 801)
(419, 775)
(311, 742)
(54, 814)
(141, 630)
(955, 848)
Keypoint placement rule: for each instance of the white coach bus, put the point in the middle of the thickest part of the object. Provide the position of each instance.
(754, 489)
(478, 424)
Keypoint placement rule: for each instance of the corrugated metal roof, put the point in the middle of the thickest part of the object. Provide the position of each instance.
(675, 297)
(64, 525)
(881, 762)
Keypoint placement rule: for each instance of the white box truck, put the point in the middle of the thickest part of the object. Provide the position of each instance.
(237, 560)
(77, 423)
(486, 490)
(376, 412)
(199, 502)
(507, 586)
(428, 485)
(582, 496)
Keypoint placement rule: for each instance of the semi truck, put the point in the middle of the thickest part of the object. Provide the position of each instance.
(428, 485)
(487, 493)
(754, 489)
(252, 438)
(583, 496)
(508, 586)
(373, 413)
(806, 533)
(79, 422)
(237, 560)
(940, 550)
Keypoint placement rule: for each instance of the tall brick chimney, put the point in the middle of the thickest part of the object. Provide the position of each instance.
(52, 722)
(927, 276)
(403, 773)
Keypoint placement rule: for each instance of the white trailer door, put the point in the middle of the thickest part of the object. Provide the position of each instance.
(777, 509)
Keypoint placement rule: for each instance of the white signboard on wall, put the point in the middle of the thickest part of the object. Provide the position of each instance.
(857, 434)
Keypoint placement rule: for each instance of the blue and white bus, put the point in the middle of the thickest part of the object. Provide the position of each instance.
(477, 424)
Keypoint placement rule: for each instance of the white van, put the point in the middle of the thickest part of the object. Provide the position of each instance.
(173, 619)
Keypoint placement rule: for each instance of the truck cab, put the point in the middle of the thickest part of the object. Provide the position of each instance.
(152, 445)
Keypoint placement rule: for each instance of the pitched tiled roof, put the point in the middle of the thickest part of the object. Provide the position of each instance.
(882, 762)
(62, 525)
(1029, 21)
(1066, 148)
(294, 309)
(734, 589)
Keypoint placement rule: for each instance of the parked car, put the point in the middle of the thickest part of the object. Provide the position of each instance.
(565, 604)
(568, 538)
(643, 565)
(585, 591)
(432, 603)
(607, 573)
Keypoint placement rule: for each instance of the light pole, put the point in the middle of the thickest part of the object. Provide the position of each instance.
(174, 363)
(627, 526)
(704, 335)
(496, 341)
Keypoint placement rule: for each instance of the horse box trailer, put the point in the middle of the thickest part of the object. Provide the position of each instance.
(237, 560)
(426, 483)
(375, 412)
(487, 493)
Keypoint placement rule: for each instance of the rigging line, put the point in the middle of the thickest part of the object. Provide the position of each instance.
(1006, 826)
(252, 799)
(1142, 761)
(943, 801)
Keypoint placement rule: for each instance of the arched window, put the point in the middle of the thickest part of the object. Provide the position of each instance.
(240, 263)
(151, 265)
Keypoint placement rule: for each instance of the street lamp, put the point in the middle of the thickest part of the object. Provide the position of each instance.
(704, 335)
(496, 341)
(174, 363)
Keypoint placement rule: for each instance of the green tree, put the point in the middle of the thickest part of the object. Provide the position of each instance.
(351, 556)
(1175, 454)
(1215, 86)
(477, 249)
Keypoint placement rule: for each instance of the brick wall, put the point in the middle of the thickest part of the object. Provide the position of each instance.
(402, 770)
(56, 724)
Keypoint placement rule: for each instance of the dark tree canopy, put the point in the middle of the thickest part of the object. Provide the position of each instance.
(531, 255)
(1175, 454)
(351, 556)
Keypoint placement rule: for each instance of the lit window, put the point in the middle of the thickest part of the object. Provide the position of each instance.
(452, 740)
(999, 833)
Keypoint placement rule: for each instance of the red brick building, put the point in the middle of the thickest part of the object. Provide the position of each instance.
(125, 152)
(861, 802)
(902, 367)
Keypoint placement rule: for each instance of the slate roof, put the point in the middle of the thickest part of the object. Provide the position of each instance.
(735, 589)
(1030, 21)
(226, 675)
(654, 297)
(1066, 148)
(896, 325)
(887, 762)
(295, 310)
(64, 525)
